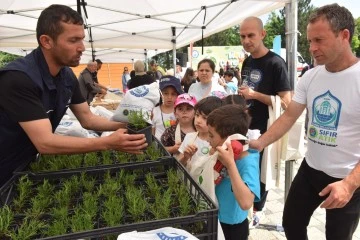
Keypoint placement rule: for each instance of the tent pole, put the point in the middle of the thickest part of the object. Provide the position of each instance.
(291, 13)
(173, 29)
(145, 60)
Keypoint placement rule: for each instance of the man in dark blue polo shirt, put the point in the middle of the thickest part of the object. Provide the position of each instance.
(35, 92)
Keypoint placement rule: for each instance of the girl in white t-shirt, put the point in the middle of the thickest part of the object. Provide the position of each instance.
(163, 115)
(195, 145)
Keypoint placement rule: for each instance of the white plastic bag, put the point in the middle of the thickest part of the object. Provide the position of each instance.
(158, 234)
(71, 128)
(103, 112)
(142, 98)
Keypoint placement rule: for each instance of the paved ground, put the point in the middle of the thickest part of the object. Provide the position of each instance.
(273, 216)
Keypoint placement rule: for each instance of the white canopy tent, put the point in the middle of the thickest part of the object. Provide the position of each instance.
(115, 27)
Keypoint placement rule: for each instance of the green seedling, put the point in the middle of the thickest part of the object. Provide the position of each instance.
(87, 182)
(6, 219)
(58, 227)
(28, 229)
(90, 204)
(161, 208)
(153, 152)
(81, 221)
(114, 211)
(91, 159)
(136, 204)
(24, 192)
(137, 119)
(153, 188)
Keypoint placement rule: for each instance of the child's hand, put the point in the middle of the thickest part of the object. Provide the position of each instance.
(189, 151)
(175, 148)
(226, 156)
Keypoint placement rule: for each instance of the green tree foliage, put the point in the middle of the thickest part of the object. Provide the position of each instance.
(276, 26)
(305, 8)
(356, 39)
(5, 58)
(228, 37)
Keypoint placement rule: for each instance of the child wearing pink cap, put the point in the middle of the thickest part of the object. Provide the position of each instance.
(185, 114)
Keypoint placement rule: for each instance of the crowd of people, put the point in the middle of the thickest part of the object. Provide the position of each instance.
(204, 119)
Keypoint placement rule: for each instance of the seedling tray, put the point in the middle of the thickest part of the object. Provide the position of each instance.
(52, 164)
(201, 221)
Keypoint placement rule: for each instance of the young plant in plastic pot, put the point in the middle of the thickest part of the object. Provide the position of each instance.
(138, 125)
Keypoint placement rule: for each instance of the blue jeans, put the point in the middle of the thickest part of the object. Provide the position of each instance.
(303, 199)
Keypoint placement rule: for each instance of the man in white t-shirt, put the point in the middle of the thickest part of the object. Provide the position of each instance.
(330, 173)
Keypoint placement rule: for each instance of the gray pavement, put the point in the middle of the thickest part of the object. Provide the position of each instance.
(267, 229)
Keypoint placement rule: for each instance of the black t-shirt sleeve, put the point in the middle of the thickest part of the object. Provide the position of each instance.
(20, 98)
(281, 76)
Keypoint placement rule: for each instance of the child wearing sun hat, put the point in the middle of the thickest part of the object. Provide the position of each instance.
(163, 115)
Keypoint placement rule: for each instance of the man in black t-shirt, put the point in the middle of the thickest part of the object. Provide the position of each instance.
(36, 90)
(264, 74)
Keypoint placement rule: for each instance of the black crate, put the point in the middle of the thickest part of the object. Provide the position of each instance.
(131, 159)
(207, 216)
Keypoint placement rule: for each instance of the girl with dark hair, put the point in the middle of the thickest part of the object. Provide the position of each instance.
(188, 79)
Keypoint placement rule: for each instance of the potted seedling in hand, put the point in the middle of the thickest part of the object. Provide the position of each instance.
(138, 124)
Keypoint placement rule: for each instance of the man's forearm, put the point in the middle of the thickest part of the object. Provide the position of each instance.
(59, 144)
(99, 123)
(92, 121)
(102, 86)
(266, 99)
(353, 179)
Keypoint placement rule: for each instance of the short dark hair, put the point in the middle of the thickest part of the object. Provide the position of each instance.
(229, 73)
(209, 61)
(132, 74)
(98, 61)
(235, 99)
(49, 22)
(152, 62)
(228, 120)
(207, 105)
(339, 18)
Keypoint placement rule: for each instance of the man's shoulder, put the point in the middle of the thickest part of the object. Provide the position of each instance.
(15, 78)
(85, 73)
(275, 58)
(15, 74)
